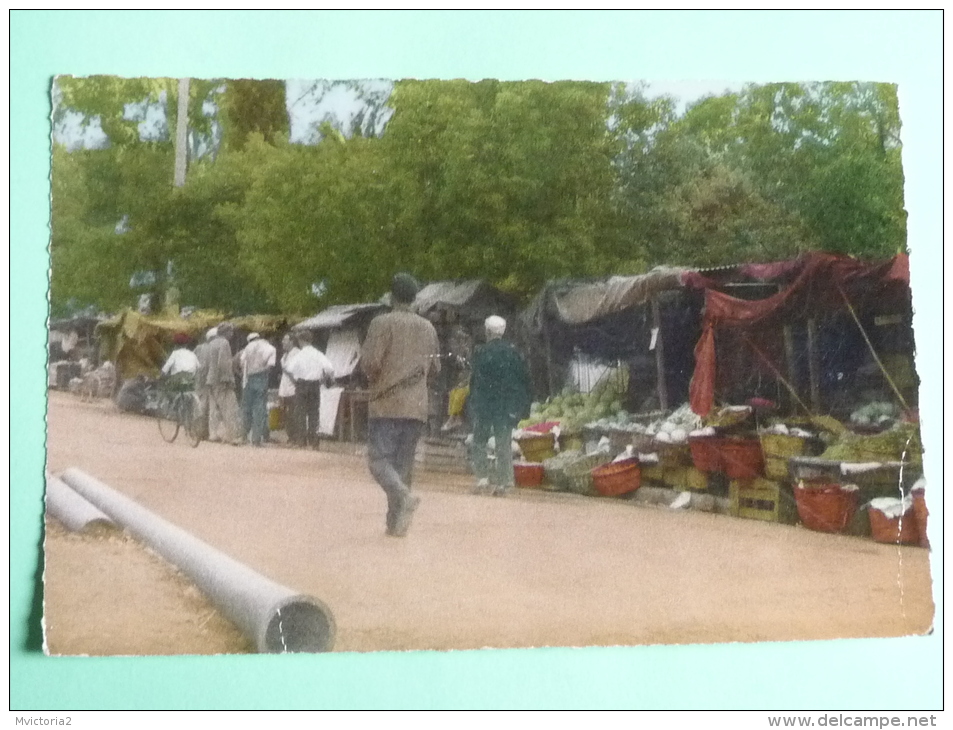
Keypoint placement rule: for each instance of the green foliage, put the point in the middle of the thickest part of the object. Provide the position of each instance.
(516, 183)
(251, 106)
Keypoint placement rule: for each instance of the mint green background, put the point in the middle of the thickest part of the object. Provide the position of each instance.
(902, 47)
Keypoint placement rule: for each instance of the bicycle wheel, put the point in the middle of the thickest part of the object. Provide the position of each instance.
(168, 418)
(190, 418)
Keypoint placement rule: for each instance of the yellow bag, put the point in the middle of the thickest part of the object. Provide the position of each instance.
(458, 398)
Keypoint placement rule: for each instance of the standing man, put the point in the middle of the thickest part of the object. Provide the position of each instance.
(286, 391)
(399, 354)
(201, 384)
(500, 397)
(258, 358)
(223, 419)
(309, 369)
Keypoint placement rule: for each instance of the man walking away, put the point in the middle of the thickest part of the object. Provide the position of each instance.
(309, 369)
(398, 357)
(258, 358)
(223, 419)
(500, 396)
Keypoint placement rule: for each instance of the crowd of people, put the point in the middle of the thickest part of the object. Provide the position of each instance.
(218, 377)
(399, 358)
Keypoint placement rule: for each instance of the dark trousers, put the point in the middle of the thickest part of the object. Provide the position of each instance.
(391, 445)
(308, 407)
(289, 408)
(501, 473)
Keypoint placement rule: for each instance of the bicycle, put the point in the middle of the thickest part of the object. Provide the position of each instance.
(178, 408)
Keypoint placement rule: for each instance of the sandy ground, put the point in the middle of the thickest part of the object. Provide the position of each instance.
(535, 569)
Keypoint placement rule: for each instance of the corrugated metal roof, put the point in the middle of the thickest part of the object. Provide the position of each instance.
(337, 316)
(448, 293)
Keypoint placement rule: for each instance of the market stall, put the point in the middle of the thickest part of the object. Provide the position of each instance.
(339, 331)
(797, 327)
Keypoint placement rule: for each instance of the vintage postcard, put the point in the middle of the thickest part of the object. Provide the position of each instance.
(396, 364)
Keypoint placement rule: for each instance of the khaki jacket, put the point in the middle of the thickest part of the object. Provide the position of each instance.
(398, 357)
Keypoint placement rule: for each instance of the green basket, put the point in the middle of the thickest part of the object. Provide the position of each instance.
(578, 475)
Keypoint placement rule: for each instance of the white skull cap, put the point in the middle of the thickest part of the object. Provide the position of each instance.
(495, 325)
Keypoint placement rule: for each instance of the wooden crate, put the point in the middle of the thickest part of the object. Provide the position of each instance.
(776, 468)
(686, 477)
(654, 472)
(762, 499)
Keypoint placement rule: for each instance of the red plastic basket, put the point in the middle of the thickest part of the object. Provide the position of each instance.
(545, 427)
(741, 458)
(620, 477)
(528, 476)
(894, 530)
(920, 510)
(825, 507)
(706, 455)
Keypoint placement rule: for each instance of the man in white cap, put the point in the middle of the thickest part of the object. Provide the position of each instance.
(224, 420)
(258, 358)
(500, 396)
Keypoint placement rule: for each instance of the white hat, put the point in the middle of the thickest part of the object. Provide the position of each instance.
(212, 333)
(253, 336)
(495, 325)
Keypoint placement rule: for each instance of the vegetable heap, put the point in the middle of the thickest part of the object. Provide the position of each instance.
(576, 410)
(900, 443)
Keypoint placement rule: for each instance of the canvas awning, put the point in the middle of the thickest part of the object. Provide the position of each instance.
(471, 299)
(821, 284)
(339, 315)
(581, 303)
(137, 343)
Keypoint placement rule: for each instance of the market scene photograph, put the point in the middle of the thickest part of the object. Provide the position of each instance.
(388, 365)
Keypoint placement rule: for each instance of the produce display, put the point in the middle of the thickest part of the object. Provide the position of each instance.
(675, 428)
(781, 429)
(728, 417)
(575, 410)
(876, 414)
(900, 443)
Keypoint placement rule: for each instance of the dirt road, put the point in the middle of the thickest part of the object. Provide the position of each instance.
(536, 569)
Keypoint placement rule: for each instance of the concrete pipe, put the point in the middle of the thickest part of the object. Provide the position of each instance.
(275, 618)
(76, 514)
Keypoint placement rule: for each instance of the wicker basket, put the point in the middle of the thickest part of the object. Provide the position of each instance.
(619, 477)
(554, 469)
(579, 473)
(574, 475)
